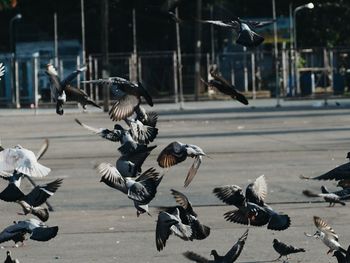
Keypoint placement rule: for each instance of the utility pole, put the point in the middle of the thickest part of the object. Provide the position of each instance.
(55, 39)
(212, 35)
(105, 55)
(134, 58)
(277, 91)
(82, 10)
(198, 48)
(179, 61)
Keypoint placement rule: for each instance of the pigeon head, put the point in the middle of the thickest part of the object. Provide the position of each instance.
(118, 127)
(275, 241)
(8, 253)
(348, 155)
(50, 69)
(214, 253)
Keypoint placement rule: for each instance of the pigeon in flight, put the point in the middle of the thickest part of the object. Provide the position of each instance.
(245, 29)
(180, 220)
(131, 140)
(177, 152)
(31, 202)
(128, 96)
(327, 235)
(342, 172)
(61, 91)
(284, 249)
(252, 209)
(9, 258)
(23, 161)
(231, 255)
(2, 70)
(225, 87)
(331, 197)
(37, 230)
(141, 190)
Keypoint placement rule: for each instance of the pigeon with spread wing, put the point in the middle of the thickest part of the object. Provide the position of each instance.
(231, 256)
(177, 152)
(252, 209)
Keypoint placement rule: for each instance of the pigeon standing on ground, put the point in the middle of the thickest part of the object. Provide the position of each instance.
(9, 258)
(128, 96)
(23, 161)
(284, 249)
(2, 70)
(61, 91)
(331, 197)
(245, 30)
(327, 235)
(181, 221)
(177, 152)
(141, 190)
(252, 209)
(225, 87)
(231, 256)
(37, 230)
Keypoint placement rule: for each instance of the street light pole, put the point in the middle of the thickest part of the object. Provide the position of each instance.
(15, 86)
(277, 91)
(297, 9)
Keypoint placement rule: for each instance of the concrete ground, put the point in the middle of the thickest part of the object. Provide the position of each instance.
(99, 224)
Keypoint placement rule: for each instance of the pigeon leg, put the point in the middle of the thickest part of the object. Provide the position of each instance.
(277, 259)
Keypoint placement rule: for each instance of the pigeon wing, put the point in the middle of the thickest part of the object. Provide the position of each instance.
(195, 257)
(44, 233)
(42, 150)
(257, 192)
(324, 227)
(183, 201)
(164, 222)
(230, 194)
(339, 173)
(193, 170)
(41, 193)
(72, 76)
(90, 128)
(123, 107)
(168, 157)
(111, 177)
(235, 251)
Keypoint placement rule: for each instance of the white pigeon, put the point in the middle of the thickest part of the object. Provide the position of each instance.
(23, 161)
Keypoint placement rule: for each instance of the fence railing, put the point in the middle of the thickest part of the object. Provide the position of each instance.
(301, 73)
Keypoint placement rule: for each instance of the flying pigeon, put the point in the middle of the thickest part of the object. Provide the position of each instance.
(9, 258)
(284, 249)
(245, 30)
(177, 152)
(141, 190)
(327, 235)
(148, 118)
(61, 91)
(341, 257)
(128, 96)
(342, 172)
(131, 140)
(23, 161)
(231, 255)
(331, 197)
(37, 230)
(180, 220)
(129, 165)
(225, 87)
(252, 209)
(2, 70)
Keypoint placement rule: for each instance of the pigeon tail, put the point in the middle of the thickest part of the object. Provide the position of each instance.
(90, 102)
(241, 98)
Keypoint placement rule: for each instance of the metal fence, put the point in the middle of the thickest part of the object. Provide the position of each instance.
(302, 73)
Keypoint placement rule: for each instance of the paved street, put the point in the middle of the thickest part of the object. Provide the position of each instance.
(99, 224)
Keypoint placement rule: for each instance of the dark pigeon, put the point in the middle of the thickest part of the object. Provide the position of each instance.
(284, 250)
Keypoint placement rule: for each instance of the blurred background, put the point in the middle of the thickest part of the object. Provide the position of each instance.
(305, 53)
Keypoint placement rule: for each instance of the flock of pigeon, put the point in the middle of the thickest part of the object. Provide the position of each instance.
(127, 176)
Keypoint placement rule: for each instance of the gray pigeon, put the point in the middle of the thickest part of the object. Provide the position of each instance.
(246, 36)
(128, 96)
(141, 190)
(230, 257)
(177, 152)
(252, 209)
(34, 228)
(341, 258)
(183, 223)
(331, 197)
(61, 91)
(284, 250)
